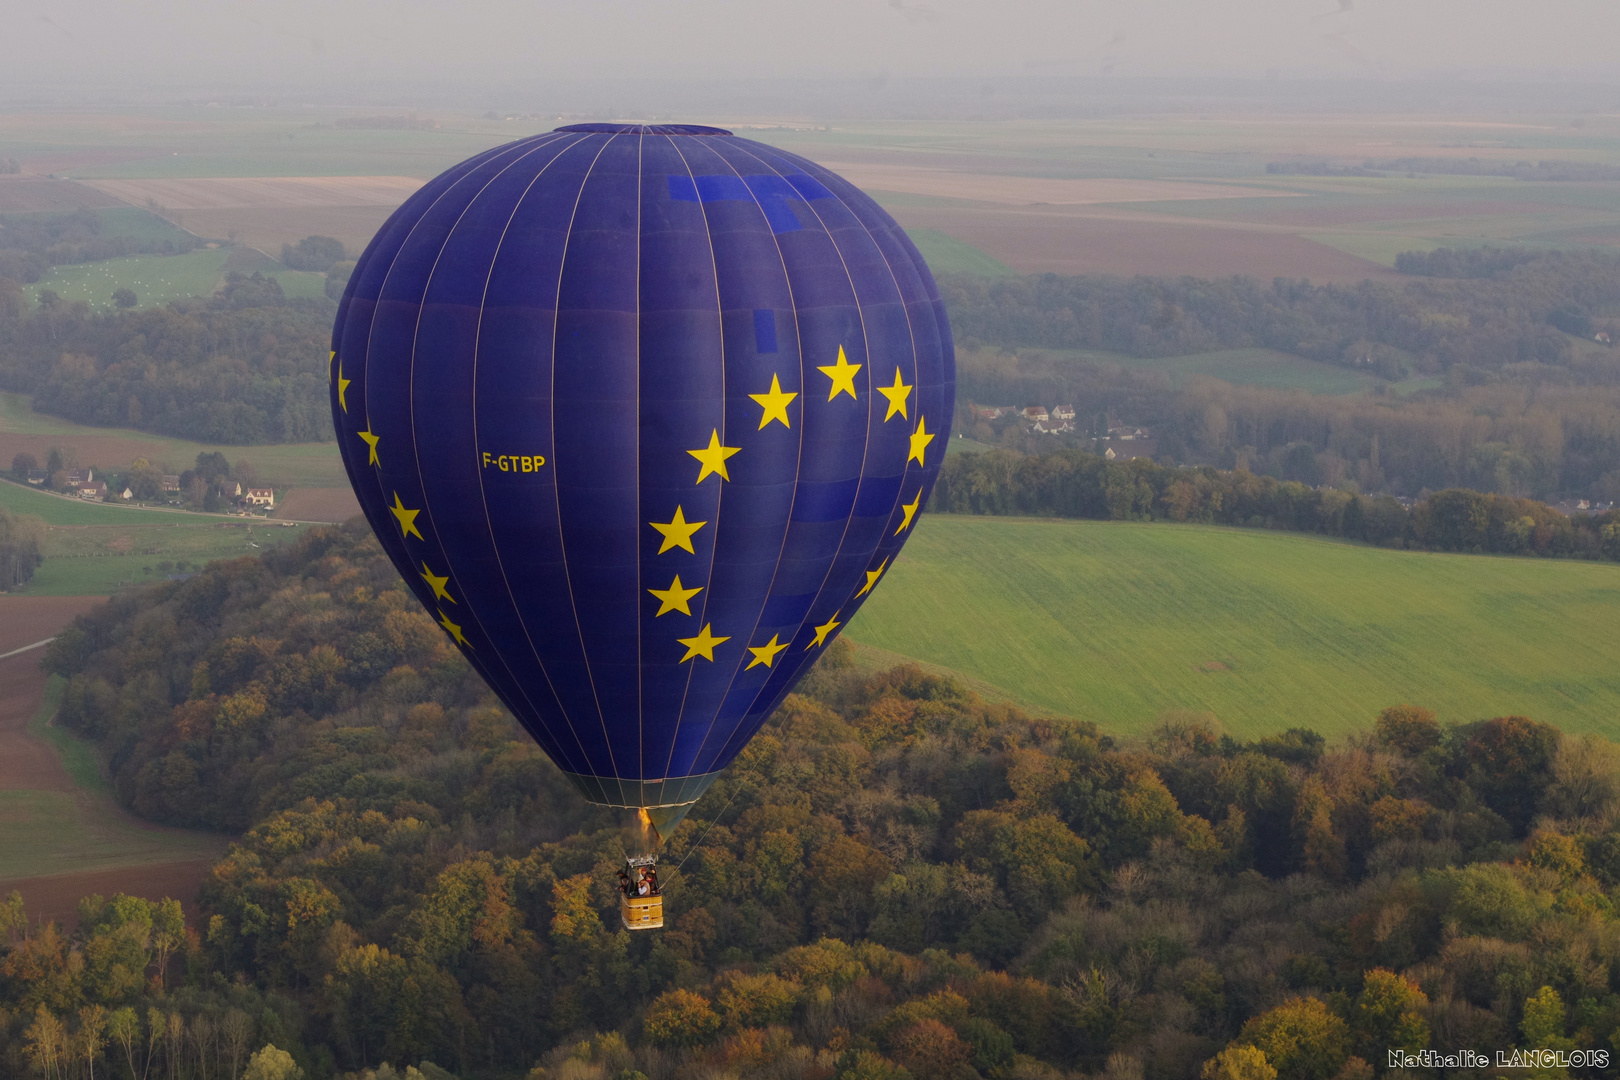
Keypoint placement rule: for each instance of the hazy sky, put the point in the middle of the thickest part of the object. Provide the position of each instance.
(110, 43)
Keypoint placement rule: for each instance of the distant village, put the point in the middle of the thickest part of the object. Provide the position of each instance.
(1120, 442)
(1117, 441)
(209, 486)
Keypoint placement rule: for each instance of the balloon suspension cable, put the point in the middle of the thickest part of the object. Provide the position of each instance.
(712, 822)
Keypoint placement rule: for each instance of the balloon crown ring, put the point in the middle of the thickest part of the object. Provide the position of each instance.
(645, 129)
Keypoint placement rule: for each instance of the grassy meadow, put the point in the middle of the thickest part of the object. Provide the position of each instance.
(947, 255)
(284, 464)
(1120, 623)
(91, 560)
(159, 279)
(93, 549)
(1254, 367)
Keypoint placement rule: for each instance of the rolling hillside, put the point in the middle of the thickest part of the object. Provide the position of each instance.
(1120, 623)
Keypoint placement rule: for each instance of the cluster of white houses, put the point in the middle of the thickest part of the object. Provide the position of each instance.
(1055, 421)
(1123, 441)
(83, 483)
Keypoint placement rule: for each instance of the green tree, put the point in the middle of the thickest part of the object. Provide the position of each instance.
(91, 1038)
(1508, 762)
(393, 1007)
(124, 1030)
(317, 253)
(1409, 729)
(117, 945)
(755, 1000)
(1301, 1038)
(1239, 1063)
(1544, 1021)
(46, 1041)
(680, 1018)
(1038, 860)
(124, 299)
(1389, 1015)
(270, 1063)
(21, 537)
(867, 1065)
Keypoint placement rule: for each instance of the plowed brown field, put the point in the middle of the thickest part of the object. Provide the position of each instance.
(269, 192)
(25, 762)
(336, 505)
(1128, 244)
(57, 896)
(27, 619)
(267, 230)
(1025, 190)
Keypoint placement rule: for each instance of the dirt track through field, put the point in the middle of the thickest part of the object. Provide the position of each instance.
(32, 770)
(25, 762)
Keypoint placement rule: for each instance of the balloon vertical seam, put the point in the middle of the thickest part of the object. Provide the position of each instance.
(787, 277)
(866, 447)
(483, 498)
(641, 736)
(573, 605)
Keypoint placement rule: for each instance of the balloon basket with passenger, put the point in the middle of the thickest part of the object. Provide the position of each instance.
(641, 904)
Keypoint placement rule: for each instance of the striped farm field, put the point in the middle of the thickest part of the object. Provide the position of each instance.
(1120, 623)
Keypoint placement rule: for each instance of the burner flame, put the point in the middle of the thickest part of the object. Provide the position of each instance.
(649, 835)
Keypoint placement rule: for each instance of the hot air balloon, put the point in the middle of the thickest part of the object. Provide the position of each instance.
(642, 414)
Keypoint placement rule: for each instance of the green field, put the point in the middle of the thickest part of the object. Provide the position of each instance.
(1248, 367)
(98, 548)
(90, 560)
(947, 255)
(960, 444)
(55, 832)
(1120, 623)
(62, 510)
(283, 465)
(158, 279)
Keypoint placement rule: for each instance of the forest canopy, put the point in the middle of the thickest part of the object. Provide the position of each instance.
(246, 367)
(897, 879)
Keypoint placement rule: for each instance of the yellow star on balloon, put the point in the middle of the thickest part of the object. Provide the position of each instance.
(919, 441)
(775, 403)
(842, 375)
(713, 457)
(871, 578)
(437, 584)
(910, 510)
(675, 597)
(821, 633)
(678, 532)
(897, 395)
(702, 645)
(371, 442)
(765, 653)
(343, 384)
(454, 629)
(406, 518)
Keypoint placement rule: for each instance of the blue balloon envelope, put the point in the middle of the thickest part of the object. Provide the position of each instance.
(641, 414)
